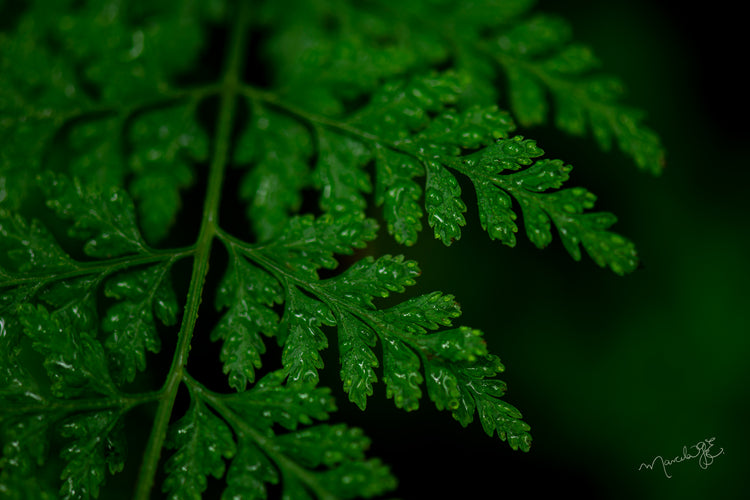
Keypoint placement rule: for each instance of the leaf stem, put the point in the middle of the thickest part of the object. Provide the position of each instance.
(68, 406)
(288, 278)
(331, 124)
(102, 267)
(273, 100)
(209, 225)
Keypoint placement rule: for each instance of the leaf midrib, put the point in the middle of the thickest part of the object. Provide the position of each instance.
(228, 92)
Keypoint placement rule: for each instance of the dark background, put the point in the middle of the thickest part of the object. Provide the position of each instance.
(611, 372)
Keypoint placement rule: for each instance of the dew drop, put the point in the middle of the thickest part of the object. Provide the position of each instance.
(434, 197)
(512, 148)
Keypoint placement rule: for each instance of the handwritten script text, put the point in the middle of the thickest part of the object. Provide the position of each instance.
(700, 450)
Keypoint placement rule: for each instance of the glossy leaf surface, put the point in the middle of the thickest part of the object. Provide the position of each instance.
(190, 199)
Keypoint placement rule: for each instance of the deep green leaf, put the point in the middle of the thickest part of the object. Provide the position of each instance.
(340, 174)
(456, 345)
(249, 473)
(442, 386)
(357, 359)
(341, 449)
(168, 143)
(401, 374)
(132, 134)
(496, 213)
(399, 194)
(270, 402)
(75, 361)
(308, 244)
(248, 294)
(422, 313)
(403, 107)
(369, 278)
(202, 441)
(366, 479)
(445, 209)
(302, 337)
(98, 446)
(143, 296)
(539, 60)
(26, 443)
(536, 185)
(279, 149)
(25, 487)
(105, 218)
(28, 247)
(325, 445)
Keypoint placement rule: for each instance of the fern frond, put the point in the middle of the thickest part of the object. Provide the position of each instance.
(202, 441)
(347, 301)
(310, 460)
(115, 117)
(408, 143)
(539, 60)
(54, 301)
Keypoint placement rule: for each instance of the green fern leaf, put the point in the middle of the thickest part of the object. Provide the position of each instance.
(279, 150)
(423, 313)
(116, 117)
(346, 301)
(341, 449)
(248, 293)
(98, 447)
(21, 488)
(30, 246)
(443, 203)
(75, 361)
(27, 444)
(369, 278)
(303, 337)
(202, 441)
(311, 462)
(539, 60)
(169, 142)
(357, 359)
(58, 311)
(106, 219)
(399, 194)
(468, 388)
(339, 174)
(308, 244)
(533, 188)
(250, 472)
(421, 146)
(402, 374)
(143, 296)
(271, 402)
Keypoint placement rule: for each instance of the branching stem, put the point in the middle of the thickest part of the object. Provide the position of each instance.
(265, 443)
(209, 226)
